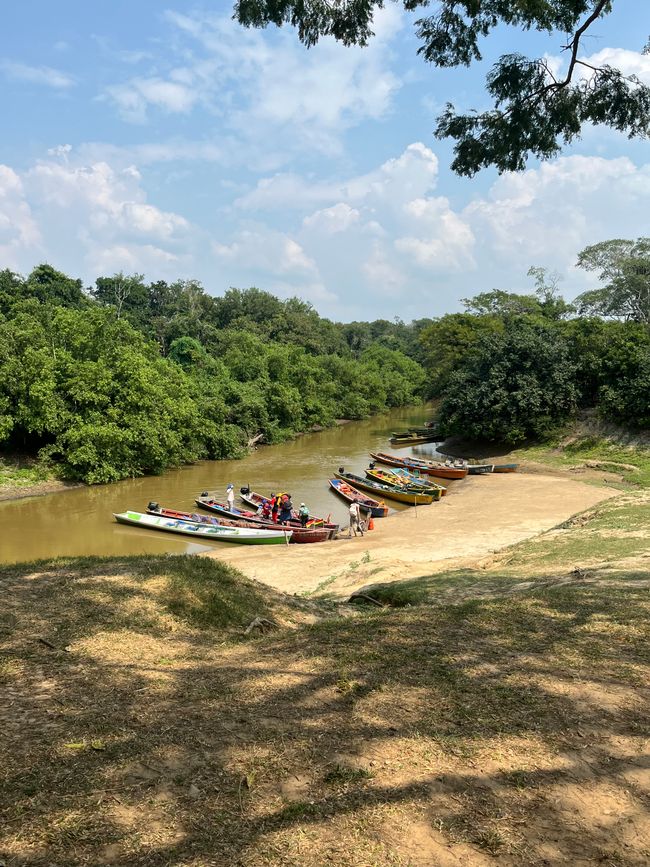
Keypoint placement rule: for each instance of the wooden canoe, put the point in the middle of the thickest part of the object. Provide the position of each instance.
(376, 508)
(479, 469)
(402, 496)
(430, 468)
(505, 468)
(411, 439)
(415, 478)
(239, 535)
(256, 500)
(386, 477)
(247, 516)
(299, 535)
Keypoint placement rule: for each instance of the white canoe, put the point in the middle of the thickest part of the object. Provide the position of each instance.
(208, 533)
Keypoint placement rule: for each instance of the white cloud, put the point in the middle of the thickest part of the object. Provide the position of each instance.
(19, 233)
(43, 75)
(338, 218)
(264, 82)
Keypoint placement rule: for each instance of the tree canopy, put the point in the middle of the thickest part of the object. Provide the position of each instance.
(536, 110)
(626, 267)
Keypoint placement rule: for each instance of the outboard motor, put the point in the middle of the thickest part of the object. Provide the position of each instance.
(372, 465)
(205, 494)
(153, 507)
(245, 490)
(341, 470)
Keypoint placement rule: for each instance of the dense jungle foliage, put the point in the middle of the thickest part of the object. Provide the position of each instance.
(515, 367)
(133, 378)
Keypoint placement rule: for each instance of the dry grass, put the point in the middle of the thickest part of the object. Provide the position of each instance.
(510, 729)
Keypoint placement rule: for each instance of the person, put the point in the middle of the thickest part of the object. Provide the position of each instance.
(286, 509)
(355, 519)
(265, 509)
(230, 497)
(275, 505)
(303, 514)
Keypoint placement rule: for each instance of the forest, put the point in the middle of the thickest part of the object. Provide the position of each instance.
(130, 378)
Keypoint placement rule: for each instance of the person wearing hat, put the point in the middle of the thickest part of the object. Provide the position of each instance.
(230, 496)
(303, 514)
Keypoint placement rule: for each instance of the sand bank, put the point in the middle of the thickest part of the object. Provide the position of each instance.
(480, 515)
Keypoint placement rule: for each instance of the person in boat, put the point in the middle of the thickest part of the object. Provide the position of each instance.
(275, 505)
(230, 497)
(303, 514)
(355, 519)
(264, 510)
(286, 509)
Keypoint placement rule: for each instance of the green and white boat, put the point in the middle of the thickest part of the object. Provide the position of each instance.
(206, 533)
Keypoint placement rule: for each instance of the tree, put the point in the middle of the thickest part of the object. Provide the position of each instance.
(536, 111)
(626, 267)
(515, 385)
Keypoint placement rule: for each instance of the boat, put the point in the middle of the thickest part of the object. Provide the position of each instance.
(409, 439)
(505, 468)
(246, 516)
(479, 469)
(386, 477)
(376, 508)
(211, 533)
(430, 468)
(414, 478)
(299, 535)
(256, 500)
(401, 495)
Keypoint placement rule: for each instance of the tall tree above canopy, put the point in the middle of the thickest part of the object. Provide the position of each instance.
(625, 265)
(535, 110)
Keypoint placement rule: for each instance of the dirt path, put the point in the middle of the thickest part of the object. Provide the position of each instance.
(480, 515)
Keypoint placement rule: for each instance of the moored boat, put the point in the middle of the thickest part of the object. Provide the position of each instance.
(386, 477)
(505, 468)
(256, 500)
(402, 496)
(479, 469)
(375, 507)
(299, 535)
(415, 478)
(430, 468)
(209, 533)
(245, 515)
(409, 439)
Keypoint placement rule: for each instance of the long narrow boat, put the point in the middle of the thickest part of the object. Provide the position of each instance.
(430, 468)
(505, 468)
(413, 478)
(245, 515)
(479, 469)
(255, 499)
(386, 477)
(402, 496)
(376, 508)
(240, 535)
(409, 439)
(299, 535)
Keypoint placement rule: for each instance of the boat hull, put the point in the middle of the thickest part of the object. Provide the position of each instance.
(351, 495)
(299, 535)
(211, 533)
(410, 499)
(429, 468)
(401, 472)
(385, 477)
(505, 468)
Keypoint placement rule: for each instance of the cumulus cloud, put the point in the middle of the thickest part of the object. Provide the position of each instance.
(261, 82)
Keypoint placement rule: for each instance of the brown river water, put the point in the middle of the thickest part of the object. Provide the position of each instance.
(79, 522)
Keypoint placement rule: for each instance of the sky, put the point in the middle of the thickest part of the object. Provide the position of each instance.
(166, 140)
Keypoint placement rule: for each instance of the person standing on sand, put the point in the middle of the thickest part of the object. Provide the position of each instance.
(230, 497)
(355, 520)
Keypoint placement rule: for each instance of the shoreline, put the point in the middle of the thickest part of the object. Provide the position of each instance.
(480, 516)
(38, 489)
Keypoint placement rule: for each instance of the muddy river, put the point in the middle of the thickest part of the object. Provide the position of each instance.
(79, 521)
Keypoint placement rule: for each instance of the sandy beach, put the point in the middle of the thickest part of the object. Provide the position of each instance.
(479, 516)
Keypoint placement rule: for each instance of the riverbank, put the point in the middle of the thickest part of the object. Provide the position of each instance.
(22, 477)
(479, 516)
(141, 724)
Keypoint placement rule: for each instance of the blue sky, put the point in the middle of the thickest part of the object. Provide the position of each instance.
(166, 140)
